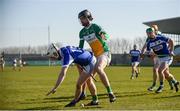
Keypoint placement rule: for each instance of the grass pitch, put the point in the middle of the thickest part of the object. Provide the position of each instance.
(27, 89)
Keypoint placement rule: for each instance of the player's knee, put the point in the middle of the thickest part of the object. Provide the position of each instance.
(160, 71)
(134, 68)
(78, 86)
(99, 69)
(155, 70)
(89, 81)
(166, 76)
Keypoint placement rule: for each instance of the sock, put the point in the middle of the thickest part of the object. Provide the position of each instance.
(109, 90)
(173, 81)
(170, 83)
(94, 98)
(83, 93)
(154, 84)
(161, 83)
(73, 101)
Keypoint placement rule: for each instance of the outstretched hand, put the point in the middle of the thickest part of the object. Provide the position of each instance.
(51, 92)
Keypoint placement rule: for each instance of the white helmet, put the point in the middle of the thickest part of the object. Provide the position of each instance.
(52, 51)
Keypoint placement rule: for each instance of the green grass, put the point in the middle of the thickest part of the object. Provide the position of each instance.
(27, 89)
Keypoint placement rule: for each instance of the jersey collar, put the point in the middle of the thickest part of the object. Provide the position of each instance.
(88, 26)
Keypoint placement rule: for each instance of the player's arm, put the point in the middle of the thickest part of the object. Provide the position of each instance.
(81, 43)
(99, 30)
(104, 36)
(170, 44)
(60, 79)
(149, 52)
(143, 50)
(171, 47)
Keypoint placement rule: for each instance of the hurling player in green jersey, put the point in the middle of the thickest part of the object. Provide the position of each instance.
(96, 37)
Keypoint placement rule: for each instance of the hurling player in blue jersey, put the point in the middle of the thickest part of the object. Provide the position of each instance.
(135, 59)
(161, 47)
(85, 59)
(155, 62)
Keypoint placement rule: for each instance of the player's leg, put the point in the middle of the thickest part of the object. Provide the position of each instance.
(93, 91)
(102, 62)
(3, 65)
(14, 67)
(81, 80)
(139, 69)
(133, 70)
(84, 77)
(171, 80)
(155, 77)
(155, 73)
(20, 67)
(83, 94)
(162, 68)
(136, 69)
(169, 76)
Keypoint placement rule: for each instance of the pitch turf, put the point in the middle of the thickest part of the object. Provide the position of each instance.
(27, 89)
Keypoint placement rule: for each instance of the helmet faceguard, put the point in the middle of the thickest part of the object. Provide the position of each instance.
(85, 17)
(52, 51)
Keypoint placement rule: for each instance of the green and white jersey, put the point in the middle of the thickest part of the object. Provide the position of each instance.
(92, 35)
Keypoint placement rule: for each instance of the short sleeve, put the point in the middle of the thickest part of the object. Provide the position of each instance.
(99, 30)
(130, 52)
(66, 59)
(81, 41)
(166, 39)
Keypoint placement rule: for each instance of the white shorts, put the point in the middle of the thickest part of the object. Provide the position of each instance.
(90, 67)
(2, 65)
(20, 65)
(156, 62)
(106, 56)
(14, 65)
(135, 63)
(167, 60)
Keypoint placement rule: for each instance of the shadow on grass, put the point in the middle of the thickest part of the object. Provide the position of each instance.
(166, 97)
(60, 107)
(43, 108)
(48, 100)
(135, 94)
(69, 98)
(123, 95)
(59, 98)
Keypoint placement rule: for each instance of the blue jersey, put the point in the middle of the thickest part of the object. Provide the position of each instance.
(159, 45)
(76, 55)
(148, 39)
(135, 55)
